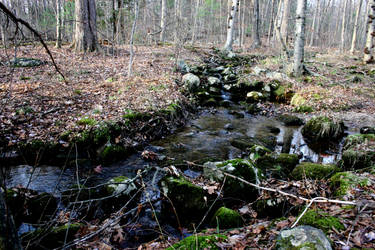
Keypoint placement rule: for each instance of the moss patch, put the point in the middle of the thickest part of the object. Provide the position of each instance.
(313, 171)
(199, 242)
(112, 153)
(226, 218)
(342, 182)
(321, 220)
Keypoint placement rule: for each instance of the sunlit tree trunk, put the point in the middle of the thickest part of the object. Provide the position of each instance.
(300, 37)
(230, 29)
(85, 38)
(163, 22)
(356, 24)
(271, 22)
(369, 47)
(58, 23)
(285, 22)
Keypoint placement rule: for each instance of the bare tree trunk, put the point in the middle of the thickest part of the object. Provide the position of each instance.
(284, 24)
(356, 24)
(257, 41)
(278, 20)
(163, 22)
(58, 23)
(343, 25)
(300, 37)
(314, 24)
(85, 38)
(270, 28)
(136, 10)
(369, 48)
(195, 22)
(230, 30)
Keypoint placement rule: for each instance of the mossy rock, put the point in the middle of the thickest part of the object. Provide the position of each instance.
(302, 237)
(187, 199)
(77, 193)
(313, 171)
(120, 185)
(277, 165)
(199, 242)
(51, 238)
(343, 182)
(242, 143)
(226, 218)
(258, 150)
(234, 188)
(290, 120)
(321, 220)
(41, 208)
(39, 152)
(112, 153)
(358, 139)
(321, 130)
(357, 159)
(25, 62)
(271, 208)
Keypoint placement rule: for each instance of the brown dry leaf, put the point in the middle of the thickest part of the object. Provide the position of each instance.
(211, 189)
(118, 237)
(282, 224)
(259, 229)
(104, 246)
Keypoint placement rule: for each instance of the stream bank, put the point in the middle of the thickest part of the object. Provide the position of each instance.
(178, 180)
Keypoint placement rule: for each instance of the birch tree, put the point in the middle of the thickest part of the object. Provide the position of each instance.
(163, 22)
(230, 29)
(58, 23)
(300, 37)
(369, 48)
(343, 25)
(85, 37)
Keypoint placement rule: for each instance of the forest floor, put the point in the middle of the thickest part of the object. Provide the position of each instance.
(36, 103)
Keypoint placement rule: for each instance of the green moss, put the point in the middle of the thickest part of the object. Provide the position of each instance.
(356, 139)
(297, 100)
(120, 185)
(313, 171)
(357, 159)
(199, 242)
(321, 220)
(258, 150)
(87, 121)
(277, 165)
(226, 218)
(242, 144)
(290, 120)
(303, 109)
(322, 129)
(342, 182)
(113, 153)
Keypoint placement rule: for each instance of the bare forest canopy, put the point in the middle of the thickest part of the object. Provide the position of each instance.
(329, 23)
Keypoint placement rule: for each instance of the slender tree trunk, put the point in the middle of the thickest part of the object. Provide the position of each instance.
(284, 24)
(314, 24)
(163, 22)
(85, 33)
(278, 20)
(195, 22)
(257, 41)
(343, 25)
(136, 10)
(231, 21)
(356, 24)
(300, 37)
(369, 47)
(270, 28)
(58, 23)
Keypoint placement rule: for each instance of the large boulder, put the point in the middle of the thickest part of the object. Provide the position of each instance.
(188, 200)
(320, 131)
(313, 171)
(358, 151)
(303, 237)
(234, 188)
(277, 165)
(191, 82)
